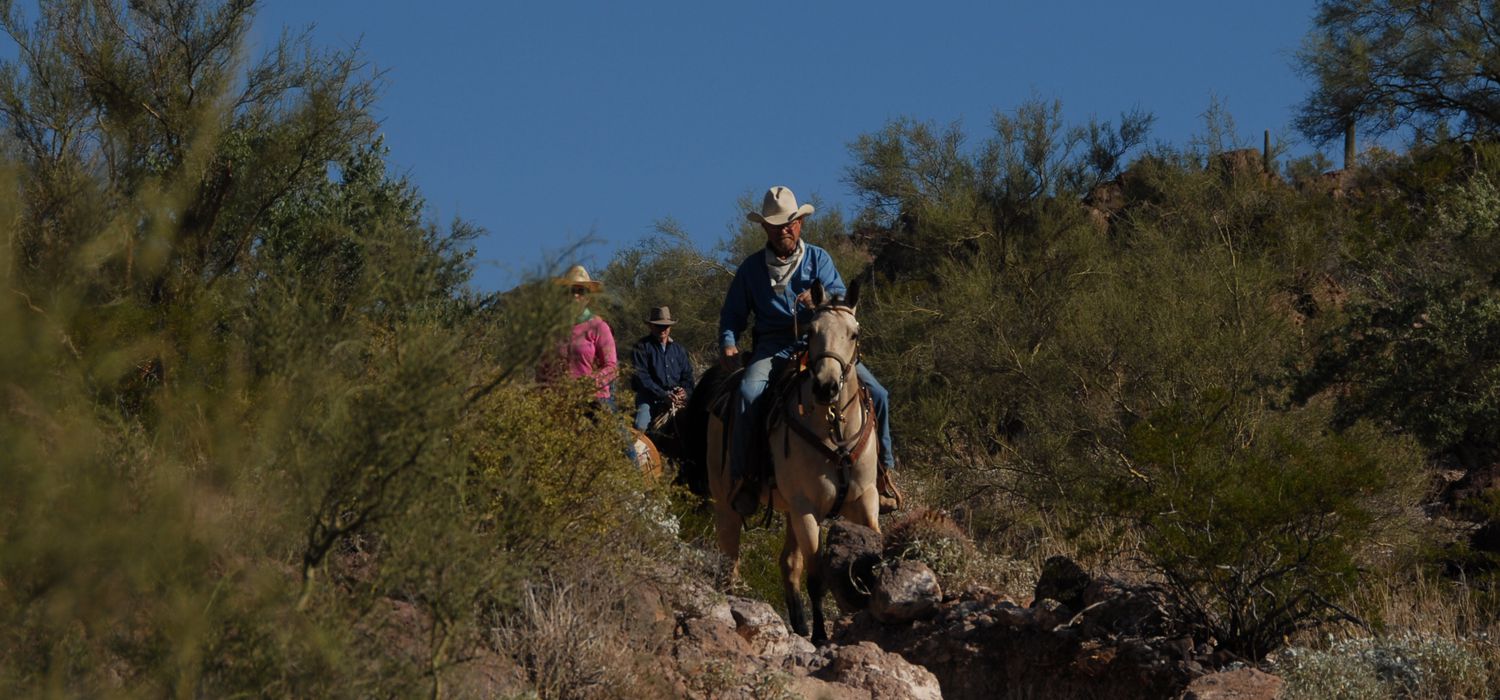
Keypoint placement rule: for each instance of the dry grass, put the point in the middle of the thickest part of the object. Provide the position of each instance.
(1423, 639)
(574, 640)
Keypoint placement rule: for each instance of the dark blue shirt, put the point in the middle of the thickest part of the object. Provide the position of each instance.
(658, 369)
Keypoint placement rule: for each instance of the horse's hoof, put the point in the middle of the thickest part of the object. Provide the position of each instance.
(820, 640)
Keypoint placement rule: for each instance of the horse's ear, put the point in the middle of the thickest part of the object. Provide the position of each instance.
(818, 294)
(851, 300)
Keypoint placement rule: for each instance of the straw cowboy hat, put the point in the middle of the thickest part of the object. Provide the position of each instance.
(780, 207)
(576, 276)
(661, 316)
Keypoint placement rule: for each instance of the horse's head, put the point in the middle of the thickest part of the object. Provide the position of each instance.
(832, 343)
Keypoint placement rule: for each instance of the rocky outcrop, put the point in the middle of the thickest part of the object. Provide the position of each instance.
(737, 647)
(1114, 641)
(768, 637)
(1241, 163)
(884, 675)
(1081, 636)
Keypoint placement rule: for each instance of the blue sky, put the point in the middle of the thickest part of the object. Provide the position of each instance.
(549, 122)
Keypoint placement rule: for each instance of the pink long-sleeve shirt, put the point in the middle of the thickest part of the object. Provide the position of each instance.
(590, 352)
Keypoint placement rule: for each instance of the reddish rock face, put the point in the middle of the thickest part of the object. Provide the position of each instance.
(885, 675)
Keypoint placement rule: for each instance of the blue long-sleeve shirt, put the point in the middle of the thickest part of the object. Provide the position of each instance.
(751, 292)
(658, 369)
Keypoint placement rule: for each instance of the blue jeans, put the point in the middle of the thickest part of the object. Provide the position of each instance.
(645, 410)
(763, 363)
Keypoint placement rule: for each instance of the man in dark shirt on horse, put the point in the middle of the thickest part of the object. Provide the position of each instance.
(663, 374)
(775, 285)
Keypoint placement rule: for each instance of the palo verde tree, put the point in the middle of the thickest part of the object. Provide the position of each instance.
(1384, 65)
(247, 393)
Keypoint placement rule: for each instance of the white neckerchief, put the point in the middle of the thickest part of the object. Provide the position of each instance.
(781, 271)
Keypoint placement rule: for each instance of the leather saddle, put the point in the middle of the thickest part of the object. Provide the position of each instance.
(782, 383)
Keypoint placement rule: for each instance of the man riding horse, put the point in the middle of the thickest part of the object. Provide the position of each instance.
(663, 373)
(775, 285)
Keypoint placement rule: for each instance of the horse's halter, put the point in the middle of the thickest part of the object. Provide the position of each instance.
(846, 366)
(836, 408)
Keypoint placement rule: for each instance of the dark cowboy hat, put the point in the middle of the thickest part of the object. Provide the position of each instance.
(661, 316)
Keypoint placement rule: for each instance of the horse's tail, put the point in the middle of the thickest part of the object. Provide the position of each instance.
(694, 423)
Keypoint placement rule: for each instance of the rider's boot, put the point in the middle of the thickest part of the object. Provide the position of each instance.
(744, 493)
(744, 497)
(891, 498)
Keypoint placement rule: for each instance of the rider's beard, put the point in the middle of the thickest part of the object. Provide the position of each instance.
(784, 245)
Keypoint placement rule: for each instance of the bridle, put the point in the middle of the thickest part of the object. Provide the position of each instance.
(846, 366)
(835, 446)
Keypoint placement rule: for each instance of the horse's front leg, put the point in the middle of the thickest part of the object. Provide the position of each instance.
(804, 528)
(815, 591)
(727, 525)
(791, 579)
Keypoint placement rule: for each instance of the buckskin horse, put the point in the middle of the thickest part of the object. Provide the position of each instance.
(823, 454)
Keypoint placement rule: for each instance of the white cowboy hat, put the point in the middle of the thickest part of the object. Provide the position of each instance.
(576, 276)
(780, 207)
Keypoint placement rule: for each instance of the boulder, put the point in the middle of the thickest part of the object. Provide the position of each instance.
(709, 638)
(1050, 613)
(1118, 608)
(1012, 615)
(1062, 580)
(761, 627)
(1104, 203)
(904, 591)
(1242, 162)
(849, 556)
(883, 674)
(810, 687)
(1107, 198)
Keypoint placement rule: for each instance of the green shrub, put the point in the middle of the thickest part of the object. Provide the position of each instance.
(249, 405)
(1405, 666)
(1256, 526)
